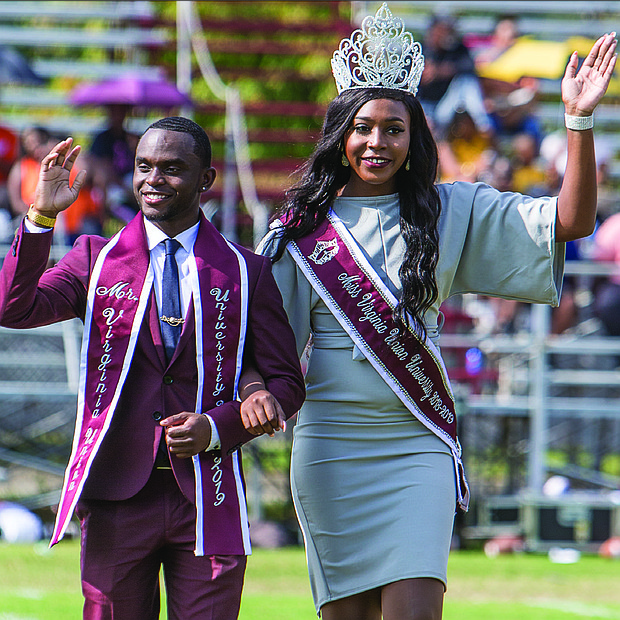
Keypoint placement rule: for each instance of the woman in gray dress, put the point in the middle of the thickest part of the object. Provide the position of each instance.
(376, 473)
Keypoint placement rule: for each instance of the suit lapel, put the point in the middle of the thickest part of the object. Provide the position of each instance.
(156, 338)
(187, 334)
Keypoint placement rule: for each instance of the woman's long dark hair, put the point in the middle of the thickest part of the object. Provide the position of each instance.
(323, 174)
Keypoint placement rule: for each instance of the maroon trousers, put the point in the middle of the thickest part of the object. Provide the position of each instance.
(125, 544)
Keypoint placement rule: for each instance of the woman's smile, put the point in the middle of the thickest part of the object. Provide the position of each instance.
(376, 145)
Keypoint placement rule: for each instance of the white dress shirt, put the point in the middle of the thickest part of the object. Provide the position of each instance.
(155, 238)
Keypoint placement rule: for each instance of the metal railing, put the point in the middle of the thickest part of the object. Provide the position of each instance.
(539, 385)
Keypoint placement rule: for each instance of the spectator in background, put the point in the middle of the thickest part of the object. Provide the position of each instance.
(462, 154)
(449, 81)
(514, 113)
(528, 173)
(552, 157)
(510, 105)
(608, 199)
(606, 248)
(9, 152)
(504, 35)
(23, 176)
(496, 170)
(553, 161)
(112, 154)
(83, 216)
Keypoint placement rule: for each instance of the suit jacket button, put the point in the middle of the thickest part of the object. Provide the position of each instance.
(168, 379)
(157, 416)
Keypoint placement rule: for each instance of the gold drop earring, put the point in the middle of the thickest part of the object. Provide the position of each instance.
(345, 161)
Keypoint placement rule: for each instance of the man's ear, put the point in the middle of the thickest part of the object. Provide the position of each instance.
(208, 178)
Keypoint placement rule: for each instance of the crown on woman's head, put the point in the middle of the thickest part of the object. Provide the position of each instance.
(379, 54)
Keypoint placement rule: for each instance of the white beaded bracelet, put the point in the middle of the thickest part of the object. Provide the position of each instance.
(578, 123)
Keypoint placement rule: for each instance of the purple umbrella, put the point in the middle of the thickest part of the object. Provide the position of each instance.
(133, 90)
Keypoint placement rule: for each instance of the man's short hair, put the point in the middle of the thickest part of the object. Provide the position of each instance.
(202, 145)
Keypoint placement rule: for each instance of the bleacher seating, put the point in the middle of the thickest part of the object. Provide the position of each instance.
(253, 48)
(65, 43)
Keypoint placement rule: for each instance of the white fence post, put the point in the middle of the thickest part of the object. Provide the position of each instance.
(541, 322)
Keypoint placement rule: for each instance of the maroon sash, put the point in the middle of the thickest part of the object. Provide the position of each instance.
(118, 293)
(363, 305)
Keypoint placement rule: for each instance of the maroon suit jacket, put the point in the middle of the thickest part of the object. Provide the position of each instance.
(31, 296)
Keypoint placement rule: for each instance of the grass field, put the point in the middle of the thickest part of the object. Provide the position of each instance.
(37, 584)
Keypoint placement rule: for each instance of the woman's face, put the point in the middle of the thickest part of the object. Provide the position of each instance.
(376, 146)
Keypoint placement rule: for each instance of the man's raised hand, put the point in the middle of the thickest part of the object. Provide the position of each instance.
(54, 193)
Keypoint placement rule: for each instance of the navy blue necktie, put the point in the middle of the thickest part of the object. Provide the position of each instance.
(171, 319)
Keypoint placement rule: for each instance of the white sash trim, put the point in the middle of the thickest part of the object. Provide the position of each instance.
(243, 508)
(199, 323)
(243, 271)
(135, 329)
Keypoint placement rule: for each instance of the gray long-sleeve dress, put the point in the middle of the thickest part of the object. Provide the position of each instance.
(374, 489)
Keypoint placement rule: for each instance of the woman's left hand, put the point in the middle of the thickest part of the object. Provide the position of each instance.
(582, 90)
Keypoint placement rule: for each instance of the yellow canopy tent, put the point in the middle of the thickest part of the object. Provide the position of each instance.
(530, 57)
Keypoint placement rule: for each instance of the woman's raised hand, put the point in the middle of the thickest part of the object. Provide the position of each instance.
(54, 193)
(582, 90)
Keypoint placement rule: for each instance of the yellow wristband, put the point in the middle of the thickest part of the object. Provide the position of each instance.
(40, 220)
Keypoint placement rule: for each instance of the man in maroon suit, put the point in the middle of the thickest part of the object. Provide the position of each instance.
(155, 473)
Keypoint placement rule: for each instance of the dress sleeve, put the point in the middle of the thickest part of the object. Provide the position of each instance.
(500, 244)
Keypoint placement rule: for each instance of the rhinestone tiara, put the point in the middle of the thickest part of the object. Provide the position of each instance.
(379, 54)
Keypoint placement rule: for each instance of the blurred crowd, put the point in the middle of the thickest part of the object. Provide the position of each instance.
(486, 129)
(106, 200)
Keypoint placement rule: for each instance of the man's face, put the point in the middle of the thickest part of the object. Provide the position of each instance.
(168, 179)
